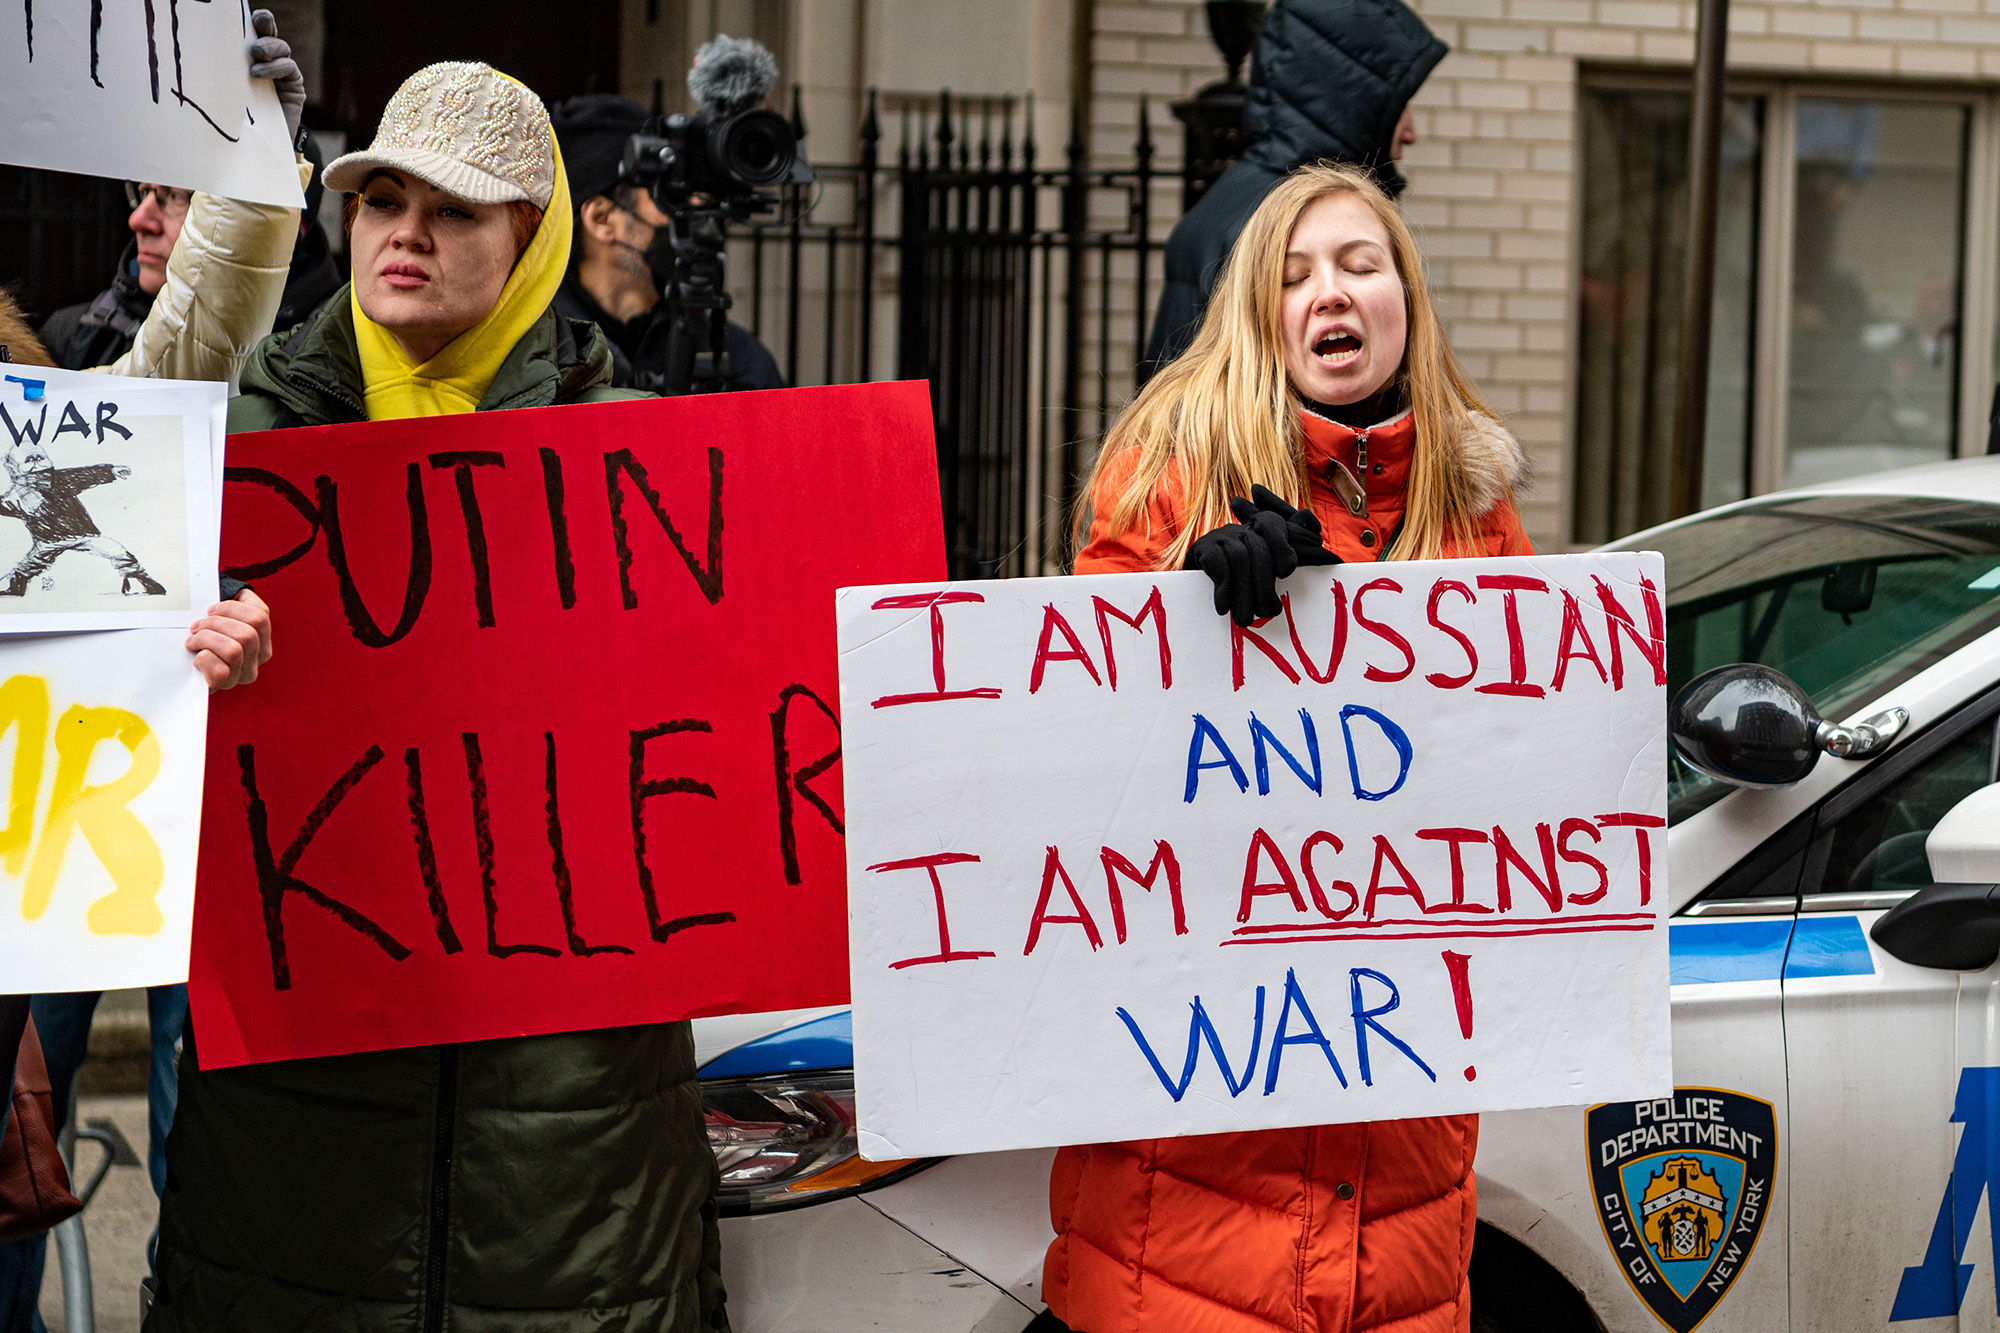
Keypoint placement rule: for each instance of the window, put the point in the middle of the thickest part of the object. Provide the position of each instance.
(1846, 333)
(1878, 226)
(1635, 211)
(1878, 847)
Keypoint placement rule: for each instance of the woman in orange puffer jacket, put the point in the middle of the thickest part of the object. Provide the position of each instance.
(1321, 384)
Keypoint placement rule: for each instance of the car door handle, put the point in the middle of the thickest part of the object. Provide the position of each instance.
(1954, 926)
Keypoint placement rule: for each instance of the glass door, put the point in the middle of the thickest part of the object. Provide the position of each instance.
(1876, 276)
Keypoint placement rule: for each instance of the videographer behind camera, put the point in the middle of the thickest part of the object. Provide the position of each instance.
(624, 255)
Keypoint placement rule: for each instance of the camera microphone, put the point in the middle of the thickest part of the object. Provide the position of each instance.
(731, 75)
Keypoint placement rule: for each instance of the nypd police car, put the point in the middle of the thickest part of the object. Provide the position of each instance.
(1830, 1156)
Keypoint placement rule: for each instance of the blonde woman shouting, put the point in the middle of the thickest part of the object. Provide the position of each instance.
(1319, 416)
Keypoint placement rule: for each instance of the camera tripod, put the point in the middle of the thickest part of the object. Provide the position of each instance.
(698, 299)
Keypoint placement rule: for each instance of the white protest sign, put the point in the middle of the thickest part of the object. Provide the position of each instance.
(145, 90)
(108, 500)
(102, 770)
(1117, 869)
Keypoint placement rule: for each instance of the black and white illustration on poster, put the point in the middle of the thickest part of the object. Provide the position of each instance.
(107, 500)
(144, 90)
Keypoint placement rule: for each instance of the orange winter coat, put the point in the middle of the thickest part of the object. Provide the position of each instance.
(1327, 1229)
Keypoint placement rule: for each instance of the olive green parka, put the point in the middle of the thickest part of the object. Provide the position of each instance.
(550, 1184)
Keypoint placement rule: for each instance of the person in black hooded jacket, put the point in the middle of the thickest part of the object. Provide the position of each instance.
(1330, 81)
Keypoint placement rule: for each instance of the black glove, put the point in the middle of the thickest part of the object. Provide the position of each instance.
(1302, 528)
(1246, 559)
(271, 58)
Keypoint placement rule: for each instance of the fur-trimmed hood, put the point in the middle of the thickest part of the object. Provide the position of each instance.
(1495, 463)
(17, 337)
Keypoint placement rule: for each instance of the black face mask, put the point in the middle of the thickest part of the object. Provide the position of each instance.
(658, 255)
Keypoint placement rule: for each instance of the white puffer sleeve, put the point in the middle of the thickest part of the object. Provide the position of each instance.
(225, 281)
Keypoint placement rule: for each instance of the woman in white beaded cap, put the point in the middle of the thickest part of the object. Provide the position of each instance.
(548, 1183)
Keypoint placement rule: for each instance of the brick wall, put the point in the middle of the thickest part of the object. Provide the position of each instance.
(1492, 182)
(1491, 190)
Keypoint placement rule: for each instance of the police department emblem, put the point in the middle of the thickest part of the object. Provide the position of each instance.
(1682, 1185)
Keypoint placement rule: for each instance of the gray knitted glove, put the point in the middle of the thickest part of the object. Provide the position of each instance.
(271, 58)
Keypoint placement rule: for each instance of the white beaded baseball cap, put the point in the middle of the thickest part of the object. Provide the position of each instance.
(464, 128)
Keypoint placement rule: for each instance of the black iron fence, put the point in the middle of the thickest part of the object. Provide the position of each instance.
(61, 234)
(1021, 291)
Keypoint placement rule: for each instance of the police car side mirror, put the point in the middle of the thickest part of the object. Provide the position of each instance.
(1954, 923)
(1750, 726)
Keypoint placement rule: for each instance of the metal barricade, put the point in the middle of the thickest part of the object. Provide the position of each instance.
(72, 1246)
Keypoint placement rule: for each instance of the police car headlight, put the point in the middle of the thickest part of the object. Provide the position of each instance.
(785, 1141)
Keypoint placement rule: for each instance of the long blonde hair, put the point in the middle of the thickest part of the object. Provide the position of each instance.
(1224, 412)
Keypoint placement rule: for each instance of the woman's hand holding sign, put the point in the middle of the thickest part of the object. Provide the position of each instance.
(271, 58)
(232, 641)
(1245, 559)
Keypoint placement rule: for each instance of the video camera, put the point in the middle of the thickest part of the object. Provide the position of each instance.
(720, 165)
(727, 159)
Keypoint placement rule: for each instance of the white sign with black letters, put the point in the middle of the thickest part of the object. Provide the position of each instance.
(143, 90)
(108, 500)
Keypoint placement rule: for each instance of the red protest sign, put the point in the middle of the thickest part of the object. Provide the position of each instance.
(550, 740)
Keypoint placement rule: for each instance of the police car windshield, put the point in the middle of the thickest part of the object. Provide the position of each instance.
(1846, 594)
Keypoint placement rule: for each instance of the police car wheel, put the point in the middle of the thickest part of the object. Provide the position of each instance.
(1515, 1290)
